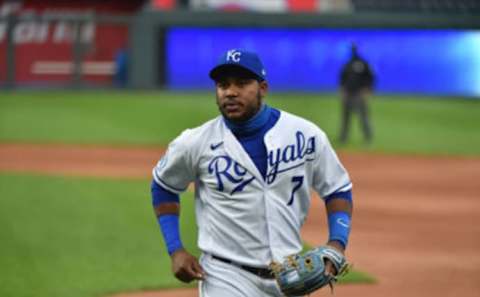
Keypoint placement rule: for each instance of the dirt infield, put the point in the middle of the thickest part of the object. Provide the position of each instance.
(415, 221)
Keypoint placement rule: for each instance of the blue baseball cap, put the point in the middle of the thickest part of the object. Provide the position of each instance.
(239, 59)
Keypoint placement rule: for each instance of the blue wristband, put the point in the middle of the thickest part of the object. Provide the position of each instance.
(170, 230)
(168, 222)
(339, 227)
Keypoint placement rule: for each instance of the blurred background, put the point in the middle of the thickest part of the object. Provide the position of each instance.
(414, 47)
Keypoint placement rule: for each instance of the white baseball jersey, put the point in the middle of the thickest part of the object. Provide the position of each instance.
(240, 215)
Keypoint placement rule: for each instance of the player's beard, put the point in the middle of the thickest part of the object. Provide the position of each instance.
(250, 110)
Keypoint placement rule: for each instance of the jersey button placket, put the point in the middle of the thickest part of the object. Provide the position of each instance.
(266, 200)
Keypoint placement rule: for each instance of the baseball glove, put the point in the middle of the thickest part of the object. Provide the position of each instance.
(301, 274)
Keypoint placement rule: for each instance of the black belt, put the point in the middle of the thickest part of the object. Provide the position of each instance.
(261, 272)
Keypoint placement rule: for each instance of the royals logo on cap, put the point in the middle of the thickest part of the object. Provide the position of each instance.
(233, 55)
(242, 59)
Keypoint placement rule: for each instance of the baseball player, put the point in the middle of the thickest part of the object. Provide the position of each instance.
(253, 167)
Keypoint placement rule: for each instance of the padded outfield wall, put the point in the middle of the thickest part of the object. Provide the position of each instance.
(411, 54)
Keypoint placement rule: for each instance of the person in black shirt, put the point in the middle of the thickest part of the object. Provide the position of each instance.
(356, 85)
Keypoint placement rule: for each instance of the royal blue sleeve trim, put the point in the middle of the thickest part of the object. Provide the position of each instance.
(162, 195)
(339, 227)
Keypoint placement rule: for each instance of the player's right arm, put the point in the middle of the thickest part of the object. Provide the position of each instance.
(167, 210)
(172, 176)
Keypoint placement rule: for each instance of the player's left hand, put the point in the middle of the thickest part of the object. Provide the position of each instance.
(329, 267)
(301, 274)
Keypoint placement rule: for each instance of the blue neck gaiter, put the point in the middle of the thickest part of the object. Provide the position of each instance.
(252, 125)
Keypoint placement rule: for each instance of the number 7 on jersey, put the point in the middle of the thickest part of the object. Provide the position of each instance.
(297, 183)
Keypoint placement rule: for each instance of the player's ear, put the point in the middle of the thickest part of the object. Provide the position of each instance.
(263, 85)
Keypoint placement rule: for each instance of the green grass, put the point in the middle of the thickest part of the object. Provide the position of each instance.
(402, 124)
(357, 277)
(81, 237)
(86, 237)
(99, 117)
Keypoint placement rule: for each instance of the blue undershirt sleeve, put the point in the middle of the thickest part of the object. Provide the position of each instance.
(169, 223)
(162, 195)
(347, 195)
